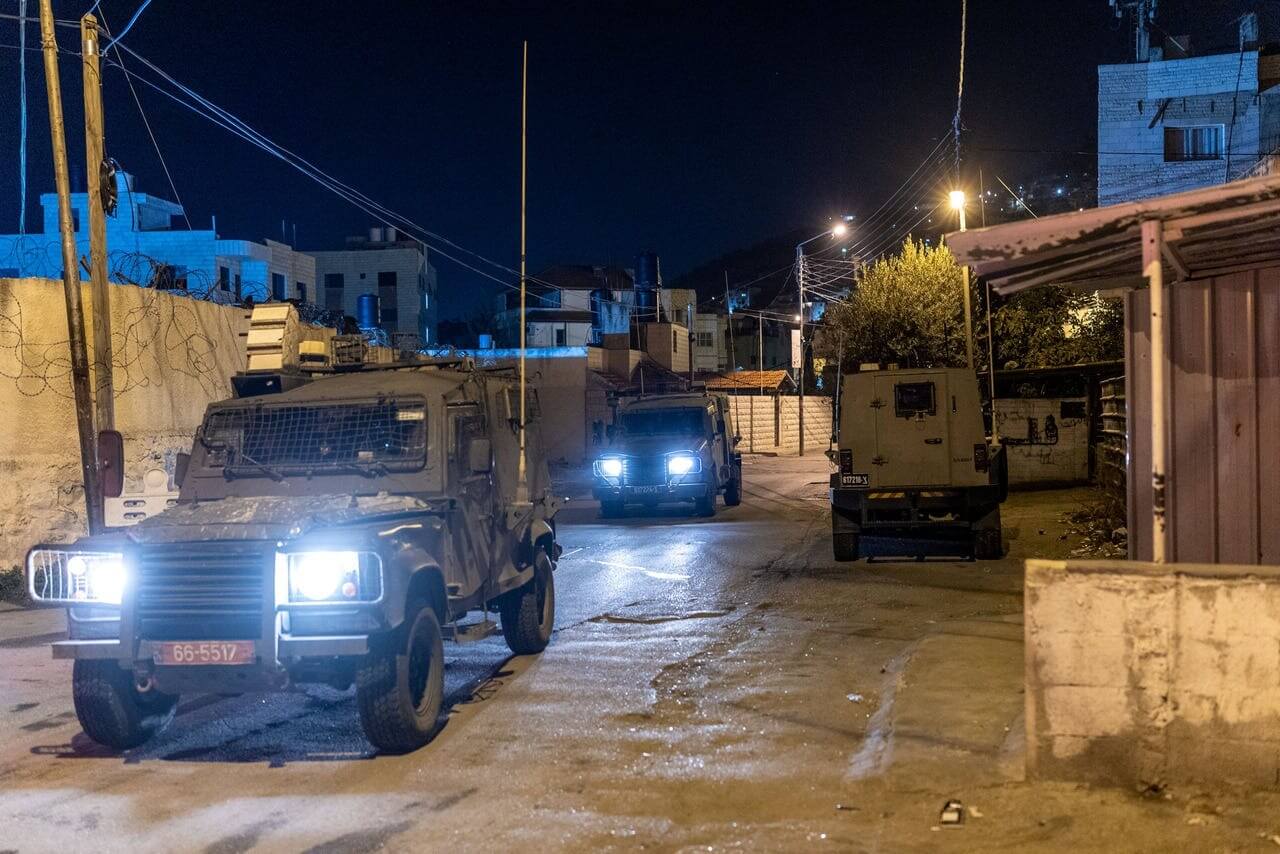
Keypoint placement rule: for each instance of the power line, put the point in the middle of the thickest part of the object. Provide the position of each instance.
(128, 26)
(163, 165)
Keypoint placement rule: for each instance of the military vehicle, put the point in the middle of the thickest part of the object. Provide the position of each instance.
(334, 532)
(670, 448)
(913, 462)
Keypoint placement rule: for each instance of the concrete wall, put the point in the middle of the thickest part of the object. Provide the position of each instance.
(771, 425)
(172, 356)
(1139, 674)
(1208, 90)
(1046, 439)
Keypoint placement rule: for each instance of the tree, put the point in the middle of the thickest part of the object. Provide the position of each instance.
(907, 309)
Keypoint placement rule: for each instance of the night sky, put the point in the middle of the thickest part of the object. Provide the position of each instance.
(690, 128)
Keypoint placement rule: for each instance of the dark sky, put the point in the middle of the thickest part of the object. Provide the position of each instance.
(691, 128)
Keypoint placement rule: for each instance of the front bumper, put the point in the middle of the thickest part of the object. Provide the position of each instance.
(683, 490)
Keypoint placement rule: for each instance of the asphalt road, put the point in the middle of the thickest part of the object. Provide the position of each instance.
(712, 682)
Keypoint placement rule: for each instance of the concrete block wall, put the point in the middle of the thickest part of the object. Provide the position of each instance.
(1205, 90)
(771, 425)
(1141, 674)
(172, 356)
(1044, 446)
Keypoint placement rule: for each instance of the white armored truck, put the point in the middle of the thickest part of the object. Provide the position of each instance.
(914, 463)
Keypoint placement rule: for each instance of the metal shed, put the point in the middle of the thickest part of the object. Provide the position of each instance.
(1200, 276)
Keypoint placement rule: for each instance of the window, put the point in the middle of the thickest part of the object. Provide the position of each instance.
(1072, 409)
(562, 336)
(278, 287)
(387, 296)
(706, 339)
(1193, 143)
(912, 399)
(224, 279)
(302, 291)
(333, 291)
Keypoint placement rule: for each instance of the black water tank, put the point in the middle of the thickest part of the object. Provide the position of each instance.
(648, 280)
(367, 311)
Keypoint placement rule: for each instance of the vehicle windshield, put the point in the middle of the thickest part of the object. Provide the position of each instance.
(273, 439)
(664, 422)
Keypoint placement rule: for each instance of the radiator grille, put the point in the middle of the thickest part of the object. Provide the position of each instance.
(202, 591)
(645, 471)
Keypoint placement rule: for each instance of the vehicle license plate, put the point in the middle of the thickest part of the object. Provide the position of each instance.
(204, 652)
(855, 480)
(648, 490)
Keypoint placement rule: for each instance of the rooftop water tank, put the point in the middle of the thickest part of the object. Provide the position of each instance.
(367, 311)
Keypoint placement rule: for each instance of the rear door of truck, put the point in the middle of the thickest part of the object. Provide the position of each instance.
(911, 430)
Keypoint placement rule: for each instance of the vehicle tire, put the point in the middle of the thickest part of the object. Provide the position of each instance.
(845, 546)
(111, 710)
(733, 490)
(400, 685)
(987, 540)
(705, 505)
(529, 612)
(611, 509)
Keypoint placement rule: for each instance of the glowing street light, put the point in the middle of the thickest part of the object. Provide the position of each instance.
(957, 200)
(840, 230)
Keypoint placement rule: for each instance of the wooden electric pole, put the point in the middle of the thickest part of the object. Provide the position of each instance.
(70, 274)
(103, 386)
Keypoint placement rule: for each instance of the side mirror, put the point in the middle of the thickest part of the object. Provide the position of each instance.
(111, 463)
(737, 439)
(180, 465)
(480, 456)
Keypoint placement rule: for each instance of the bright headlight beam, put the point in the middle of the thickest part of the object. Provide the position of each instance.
(680, 464)
(318, 575)
(611, 467)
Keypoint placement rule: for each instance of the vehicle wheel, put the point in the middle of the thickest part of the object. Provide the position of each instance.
(705, 505)
(845, 546)
(400, 686)
(610, 509)
(987, 541)
(733, 490)
(529, 613)
(112, 711)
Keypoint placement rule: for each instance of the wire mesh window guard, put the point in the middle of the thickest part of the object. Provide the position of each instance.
(382, 434)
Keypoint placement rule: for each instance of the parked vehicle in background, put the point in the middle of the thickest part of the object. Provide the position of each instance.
(914, 462)
(670, 448)
(337, 532)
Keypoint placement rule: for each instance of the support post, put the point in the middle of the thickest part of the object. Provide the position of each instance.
(94, 144)
(71, 274)
(800, 370)
(522, 483)
(760, 341)
(733, 356)
(1153, 270)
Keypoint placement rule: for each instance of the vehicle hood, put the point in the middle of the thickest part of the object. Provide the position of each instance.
(268, 517)
(641, 446)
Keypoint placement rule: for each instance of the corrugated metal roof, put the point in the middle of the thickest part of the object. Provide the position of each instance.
(1207, 232)
(747, 380)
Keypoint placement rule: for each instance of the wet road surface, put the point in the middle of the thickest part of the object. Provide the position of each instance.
(711, 682)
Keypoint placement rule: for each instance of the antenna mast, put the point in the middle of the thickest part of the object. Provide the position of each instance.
(522, 485)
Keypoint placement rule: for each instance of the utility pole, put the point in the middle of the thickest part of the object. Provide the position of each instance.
(733, 358)
(103, 387)
(689, 312)
(522, 483)
(800, 370)
(760, 339)
(958, 202)
(71, 274)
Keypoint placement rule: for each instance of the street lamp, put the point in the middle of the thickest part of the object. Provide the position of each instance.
(957, 204)
(840, 229)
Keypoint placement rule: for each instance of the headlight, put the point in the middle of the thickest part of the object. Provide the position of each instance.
(75, 578)
(333, 576)
(609, 467)
(678, 464)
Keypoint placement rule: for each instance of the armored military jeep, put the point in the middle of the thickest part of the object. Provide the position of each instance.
(670, 448)
(336, 532)
(914, 463)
